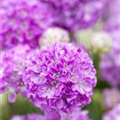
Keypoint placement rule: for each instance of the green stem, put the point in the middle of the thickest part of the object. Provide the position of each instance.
(96, 60)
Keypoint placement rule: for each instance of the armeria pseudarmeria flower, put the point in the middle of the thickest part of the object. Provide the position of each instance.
(60, 76)
(23, 22)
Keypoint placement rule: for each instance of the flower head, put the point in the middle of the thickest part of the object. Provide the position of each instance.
(77, 14)
(60, 76)
(23, 22)
(110, 65)
(12, 66)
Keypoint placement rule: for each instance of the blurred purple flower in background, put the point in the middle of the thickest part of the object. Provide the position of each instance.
(110, 65)
(60, 76)
(12, 65)
(113, 114)
(23, 22)
(112, 23)
(77, 14)
(111, 97)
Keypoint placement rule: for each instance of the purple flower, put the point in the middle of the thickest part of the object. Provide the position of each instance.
(112, 26)
(111, 97)
(113, 114)
(12, 65)
(77, 14)
(111, 9)
(23, 22)
(110, 65)
(112, 21)
(60, 76)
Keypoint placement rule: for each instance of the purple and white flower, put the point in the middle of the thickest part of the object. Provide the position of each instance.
(23, 22)
(60, 76)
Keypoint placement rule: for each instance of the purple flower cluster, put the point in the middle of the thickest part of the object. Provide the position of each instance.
(77, 14)
(112, 25)
(112, 21)
(112, 10)
(113, 114)
(110, 65)
(60, 76)
(55, 76)
(23, 22)
(111, 97)
(12, 66)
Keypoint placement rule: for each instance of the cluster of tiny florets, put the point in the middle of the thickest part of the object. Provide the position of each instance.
(60, 76)
(23, 22)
